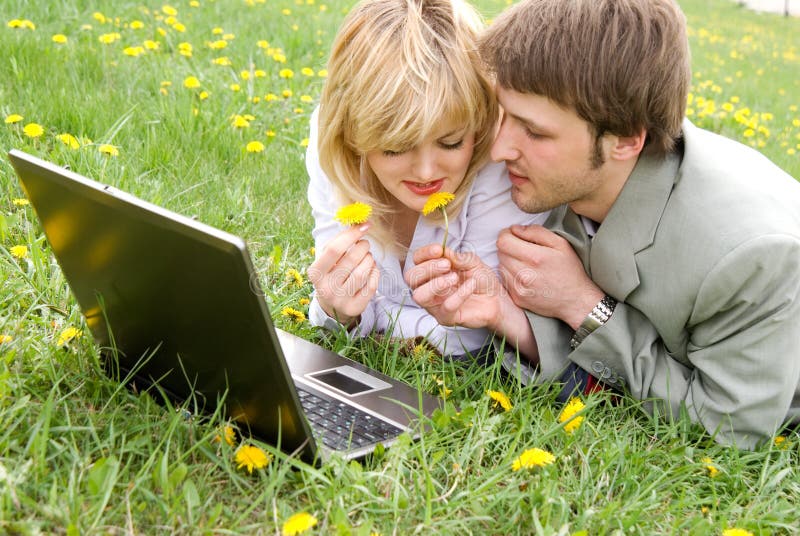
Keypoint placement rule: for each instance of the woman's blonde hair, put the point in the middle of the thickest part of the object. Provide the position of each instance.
(398, 71)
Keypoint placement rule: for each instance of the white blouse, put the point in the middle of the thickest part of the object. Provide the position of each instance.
(487, 210)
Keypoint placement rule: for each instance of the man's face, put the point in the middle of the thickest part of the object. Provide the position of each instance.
(551, 154)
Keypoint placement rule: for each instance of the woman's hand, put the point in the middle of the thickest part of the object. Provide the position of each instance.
(345, 276)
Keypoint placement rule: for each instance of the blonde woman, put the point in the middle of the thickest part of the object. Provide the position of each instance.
(406, 111)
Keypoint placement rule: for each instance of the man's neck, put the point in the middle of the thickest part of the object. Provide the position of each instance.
(597, 206)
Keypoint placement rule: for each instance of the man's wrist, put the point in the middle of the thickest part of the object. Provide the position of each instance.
(599, 315)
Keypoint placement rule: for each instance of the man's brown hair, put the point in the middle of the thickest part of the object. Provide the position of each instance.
(622, 65)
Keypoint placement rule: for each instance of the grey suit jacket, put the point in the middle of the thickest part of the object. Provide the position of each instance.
(702, 250)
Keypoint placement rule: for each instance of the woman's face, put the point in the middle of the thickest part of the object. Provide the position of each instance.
(438, 164)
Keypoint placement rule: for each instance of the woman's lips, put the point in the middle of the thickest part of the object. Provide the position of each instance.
(426, 188)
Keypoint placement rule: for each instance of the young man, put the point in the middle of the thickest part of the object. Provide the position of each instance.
(670, 265)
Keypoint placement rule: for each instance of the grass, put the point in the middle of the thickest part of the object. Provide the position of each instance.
(81, 455)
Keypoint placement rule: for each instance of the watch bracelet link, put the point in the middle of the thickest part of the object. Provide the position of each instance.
(598, 316)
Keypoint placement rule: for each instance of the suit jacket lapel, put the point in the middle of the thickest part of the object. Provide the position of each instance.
(631, 224)
(629, 228)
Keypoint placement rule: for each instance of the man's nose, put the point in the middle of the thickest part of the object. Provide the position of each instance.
(504, 145)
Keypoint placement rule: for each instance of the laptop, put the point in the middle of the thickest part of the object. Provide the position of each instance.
(177, 303)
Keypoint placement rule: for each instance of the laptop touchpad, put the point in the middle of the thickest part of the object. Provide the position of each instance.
(349, 381)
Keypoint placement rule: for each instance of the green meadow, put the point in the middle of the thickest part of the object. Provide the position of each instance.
(202, 107)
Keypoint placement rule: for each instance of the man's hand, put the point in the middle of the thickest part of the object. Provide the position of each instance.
(544, 275)
(345, 276)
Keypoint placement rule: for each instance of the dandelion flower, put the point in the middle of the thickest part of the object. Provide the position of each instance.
(780, 441)
(21, 202)
(254, 147)
(286, 73)
(567, 415)
(5, 338)
(500, 399)
(709, 465)
(240, 121)
(298, 524)
(229, 434)
(297, 316)
(533, 458)
(69, 140)
(304, 142)
(353, 214)
(304, 301)
(191, 82)
(251, 457)
(59, 39)
(307, 71)
(33, 130)
(736, 532)
(13, 118)
(109, 150)
(323, 73)
(67, 335)
(439, 200)
(295, 276)
(19, 252)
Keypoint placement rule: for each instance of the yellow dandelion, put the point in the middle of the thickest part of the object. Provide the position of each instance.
(13, 118)
(6, 338)
(136, 25)
(169, 10)
(533, 458)
(322, 73)
(203, 95)
(353, 214)
(19, 251)
(240, 121)
(191, 82)
(709, 465)
(294, 314)
(304, 142)
(306, 98)
(133, 51)
(259, 73)
(59, 39)
(20, 202)
(108, 150)
(270, 133)
(179, 27)
(33, 130)
(286, 93)
(286, 73)
(781, 442)
(229, 434)
(251, 457)
(444, 392)
(500, 399)
(567, 415)
(736, 532)
(69, 140)
(149, 44)
(298, 523)
(295, 276)
(254, 147)
(235, 87)
(307, 71)
(437, 200)
(303, 301)
(67, 335)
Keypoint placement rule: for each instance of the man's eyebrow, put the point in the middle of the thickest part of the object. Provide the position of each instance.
(529, 123)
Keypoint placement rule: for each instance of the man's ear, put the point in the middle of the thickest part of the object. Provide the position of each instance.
(627, 147)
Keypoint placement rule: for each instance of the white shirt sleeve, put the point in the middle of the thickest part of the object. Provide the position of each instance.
(323, 208)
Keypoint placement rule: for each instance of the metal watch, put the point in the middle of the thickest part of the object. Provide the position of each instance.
(596, 318)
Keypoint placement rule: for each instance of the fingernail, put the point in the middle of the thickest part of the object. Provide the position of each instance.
(443, 263)
(364, 227)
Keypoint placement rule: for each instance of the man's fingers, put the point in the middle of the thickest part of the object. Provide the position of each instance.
(537, 234)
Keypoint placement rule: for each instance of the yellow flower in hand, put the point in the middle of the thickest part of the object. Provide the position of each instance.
(439, 200)
(353, 214)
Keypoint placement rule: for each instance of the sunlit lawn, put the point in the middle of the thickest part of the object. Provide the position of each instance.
(203, 107)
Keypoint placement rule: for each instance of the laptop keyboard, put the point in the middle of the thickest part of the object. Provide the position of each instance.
(341, 426)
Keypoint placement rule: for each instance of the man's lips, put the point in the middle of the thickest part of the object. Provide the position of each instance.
(516, 179)
(424, 188)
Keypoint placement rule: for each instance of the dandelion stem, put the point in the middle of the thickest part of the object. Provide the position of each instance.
(446, 226)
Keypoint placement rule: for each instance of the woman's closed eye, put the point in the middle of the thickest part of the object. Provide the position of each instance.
(451, 145)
